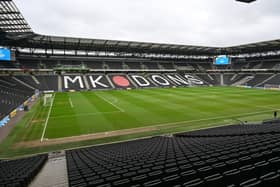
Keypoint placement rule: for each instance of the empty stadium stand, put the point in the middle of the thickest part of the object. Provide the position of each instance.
(18, 88)
(235, 155)
(259, 79)
(19, 173)
(274, 80)
(12, 94)
(240, 155)
(211, 79)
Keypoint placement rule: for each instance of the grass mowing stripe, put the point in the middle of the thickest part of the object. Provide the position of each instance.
(173, 109)
(84, 114)
(267, 107)
(117, 107)
(47, 120)
(179, 109)
(206, 119)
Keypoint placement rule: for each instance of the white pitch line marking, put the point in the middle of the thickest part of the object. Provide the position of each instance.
(71, 103)
(47, 120)
(117, 107)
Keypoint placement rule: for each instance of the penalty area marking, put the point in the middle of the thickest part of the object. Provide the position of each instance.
(71, 103)
(47, 120)
(117, 107)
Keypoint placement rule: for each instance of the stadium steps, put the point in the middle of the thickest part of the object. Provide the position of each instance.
(233, 77)
(222, 79)
(132, 82)
(35, 79)
(86, 82)
(59, 83)
(266, 80)
(210, 77)
(110, 82)
(204, 78)
(54, 173)
(243, 81)
(23, 83)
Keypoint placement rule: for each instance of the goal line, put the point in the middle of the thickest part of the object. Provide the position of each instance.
(47, 120)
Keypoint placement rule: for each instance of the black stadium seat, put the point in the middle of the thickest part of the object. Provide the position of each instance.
(250, 158)
(21, 172)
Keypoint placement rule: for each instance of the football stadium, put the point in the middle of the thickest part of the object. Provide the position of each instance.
(99, 112)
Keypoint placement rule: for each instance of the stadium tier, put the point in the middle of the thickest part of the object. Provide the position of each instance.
(237, 155)
(227, 156)
(19, 87)
(22, 171)
(140, 64)
(12, 94)
(102, 113)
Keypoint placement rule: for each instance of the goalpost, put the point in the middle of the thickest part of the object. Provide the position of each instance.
(47, 100)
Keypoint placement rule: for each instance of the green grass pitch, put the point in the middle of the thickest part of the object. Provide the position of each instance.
(80, 113)
(173, 109)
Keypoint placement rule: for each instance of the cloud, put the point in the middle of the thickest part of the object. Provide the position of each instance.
(191, 22)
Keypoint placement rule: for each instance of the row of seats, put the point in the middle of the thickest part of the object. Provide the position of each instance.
(99, 64)
(40, 82)
(50, 82)
(134, 63)
(233, 130)
(19, 173)
(12, 96)
(250, 159)
(14, 90)
(258, 79)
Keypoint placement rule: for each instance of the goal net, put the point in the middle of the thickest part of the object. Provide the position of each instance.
(48, 99)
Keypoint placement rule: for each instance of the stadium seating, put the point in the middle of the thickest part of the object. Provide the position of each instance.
(47, 82)
(7, 65)
(229, 78)
(258, 79)
(240, 155)
(238, 66)
(274, 81)
(234, 130)
(19, 173)
(138, 63)
(22, 85)
(12, 95)
(211, 79)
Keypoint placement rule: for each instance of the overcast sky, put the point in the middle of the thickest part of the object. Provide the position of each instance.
(192, 22)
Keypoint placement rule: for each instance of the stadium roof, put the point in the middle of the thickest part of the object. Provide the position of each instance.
(11, 20)
(255, 47)
(15, 32)
(67, 43)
